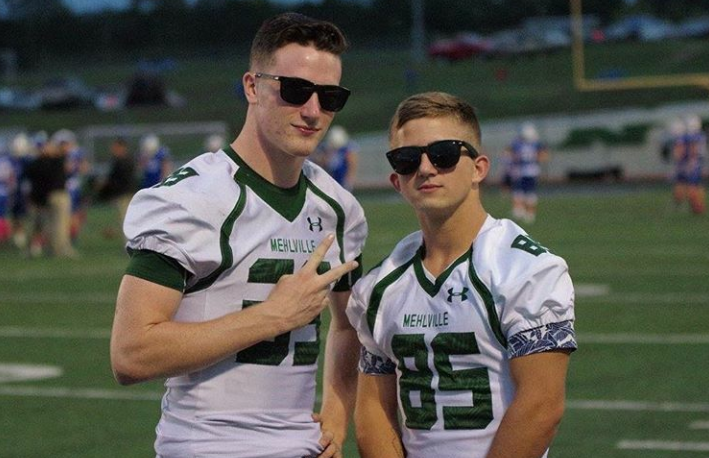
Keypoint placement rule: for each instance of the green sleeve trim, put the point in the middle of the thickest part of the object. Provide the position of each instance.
(347, 281)
(157, 268)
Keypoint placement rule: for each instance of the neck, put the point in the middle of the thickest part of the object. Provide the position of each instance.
(277, 168)
(447, 238)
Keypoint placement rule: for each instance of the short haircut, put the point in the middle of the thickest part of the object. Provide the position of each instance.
(436, 105)
(287, 28)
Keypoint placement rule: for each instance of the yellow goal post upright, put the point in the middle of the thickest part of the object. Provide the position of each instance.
(614, 84)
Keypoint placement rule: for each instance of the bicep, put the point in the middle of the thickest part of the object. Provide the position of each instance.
(142, 304)
(541, 374)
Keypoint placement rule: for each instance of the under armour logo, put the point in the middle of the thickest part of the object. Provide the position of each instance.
(463, 295)
(315, 224)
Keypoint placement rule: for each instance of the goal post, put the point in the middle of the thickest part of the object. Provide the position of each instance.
(583, 83)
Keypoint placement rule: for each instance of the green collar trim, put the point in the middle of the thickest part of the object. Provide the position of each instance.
(433, 288)
(288, 202)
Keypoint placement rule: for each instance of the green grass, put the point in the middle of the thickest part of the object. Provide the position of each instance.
(653, 260)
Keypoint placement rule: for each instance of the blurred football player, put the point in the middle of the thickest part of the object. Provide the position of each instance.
(689, 154)
(524, 158)
(154, 160)
(338, 155)
(468, 325)
(77, 168)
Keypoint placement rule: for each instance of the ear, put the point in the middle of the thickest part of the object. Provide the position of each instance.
(249, 83)
(482, 167)
(394, 180)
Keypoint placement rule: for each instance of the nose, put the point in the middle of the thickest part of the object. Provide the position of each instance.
(426, 167)
(311, 108)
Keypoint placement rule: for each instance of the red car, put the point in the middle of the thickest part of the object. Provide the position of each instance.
(460, 48)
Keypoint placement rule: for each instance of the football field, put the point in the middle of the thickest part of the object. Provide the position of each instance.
(637, 386)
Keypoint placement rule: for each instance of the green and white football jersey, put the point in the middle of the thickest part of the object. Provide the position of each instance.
(236, 235)
(449, 339)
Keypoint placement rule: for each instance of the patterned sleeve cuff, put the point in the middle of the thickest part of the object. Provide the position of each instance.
(372, 364)
(552, 336)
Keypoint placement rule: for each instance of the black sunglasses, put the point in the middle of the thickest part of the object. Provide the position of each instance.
(443, 154)
(298, 91)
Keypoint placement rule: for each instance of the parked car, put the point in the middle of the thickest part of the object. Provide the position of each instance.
(464, 46)
(65, 92)
(639, 27)
(697, 27)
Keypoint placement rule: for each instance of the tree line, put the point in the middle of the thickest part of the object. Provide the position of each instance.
(38, 30)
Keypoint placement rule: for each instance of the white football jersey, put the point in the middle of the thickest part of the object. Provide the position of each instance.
(449, 339)
(236, 235)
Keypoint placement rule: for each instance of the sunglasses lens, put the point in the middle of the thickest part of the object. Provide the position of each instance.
(296, 91)
(444, 154)
(405, 160)
(333, 98)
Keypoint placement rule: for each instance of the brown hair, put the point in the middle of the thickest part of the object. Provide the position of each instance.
(435, 105)
(287, 28)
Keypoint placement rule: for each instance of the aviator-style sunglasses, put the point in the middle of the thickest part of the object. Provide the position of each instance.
(443, 154)
(297, 91)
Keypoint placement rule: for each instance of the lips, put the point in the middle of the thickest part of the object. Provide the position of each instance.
(427, 187)
(306, 130)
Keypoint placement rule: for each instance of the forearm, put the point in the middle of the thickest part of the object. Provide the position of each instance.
(526, 430)
(376, 440)
(376, 421)
(146, 343)
(340, 380)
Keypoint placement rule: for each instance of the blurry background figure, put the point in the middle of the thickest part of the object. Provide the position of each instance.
(77, 169)
(119, 185)
(8, 184)
(689, 154)
(50, 203)
(524, 158)
(155, 161)
(338, 155)
(213, 143)
(23, 152)
(672, 138)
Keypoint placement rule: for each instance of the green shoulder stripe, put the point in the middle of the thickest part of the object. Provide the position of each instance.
(225, 233)
(378, 292)
(337, 208)
(489, 304)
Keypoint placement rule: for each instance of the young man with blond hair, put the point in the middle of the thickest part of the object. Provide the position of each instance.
(467, 326)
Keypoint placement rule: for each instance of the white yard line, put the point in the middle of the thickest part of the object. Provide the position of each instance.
(78, 393)
(650, 298)
(54, 333)
(638, 406)
(699, 425)
(59, 298)
(644, 339)
(673, 446)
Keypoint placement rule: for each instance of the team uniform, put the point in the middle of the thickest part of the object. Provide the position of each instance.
(8, 183)
(337, 161)
(690, 155)
(234, 235)
(74, 181)
(152, 165)
(449, 339)
(524, 167)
